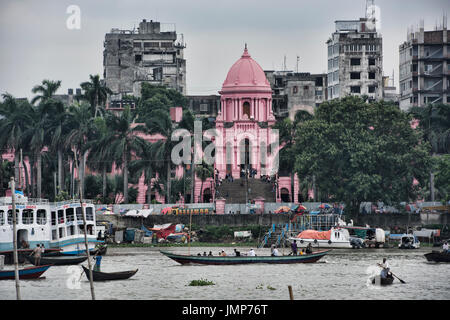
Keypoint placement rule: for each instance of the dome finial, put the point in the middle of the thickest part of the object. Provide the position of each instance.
(245, 54)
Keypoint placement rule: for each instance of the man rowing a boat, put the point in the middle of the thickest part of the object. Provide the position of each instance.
(385, 268)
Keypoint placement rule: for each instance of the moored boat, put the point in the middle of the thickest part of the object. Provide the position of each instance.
(25, 273)
(438, 256)
(230, 260)
(59, 261)
(333, 238)
(106, 276)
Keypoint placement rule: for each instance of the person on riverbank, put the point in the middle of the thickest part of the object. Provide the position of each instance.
(98, 261)
(294, 247)
(37, 255)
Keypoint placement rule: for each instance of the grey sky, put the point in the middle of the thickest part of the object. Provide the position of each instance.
(37, 45)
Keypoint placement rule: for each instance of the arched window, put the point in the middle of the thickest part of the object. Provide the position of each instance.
(246, 109)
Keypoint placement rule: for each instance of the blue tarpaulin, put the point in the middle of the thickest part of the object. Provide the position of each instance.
(148, 233)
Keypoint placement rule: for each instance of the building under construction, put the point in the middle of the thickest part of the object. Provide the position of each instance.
(147, 54)
(424, 67)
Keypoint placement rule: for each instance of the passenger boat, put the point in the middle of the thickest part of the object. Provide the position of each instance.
(106, 276)
(383, 281)
(25, 273)
(333, 238)
(58, 226)
(228, 260)
(437, 256)
(59, 261)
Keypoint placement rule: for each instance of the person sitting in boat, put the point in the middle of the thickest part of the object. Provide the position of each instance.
(210, 254)
(37, 255)
(302, 252)
(204, 253)
(223, 253)
(445, 247)
(275, 252)
(294, 247)
(385, 268)
(98, 261)
(252, 253)
(237, 253)
(199, 254)
(309, 248)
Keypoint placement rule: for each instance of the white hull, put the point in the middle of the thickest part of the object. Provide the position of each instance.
(303, 243)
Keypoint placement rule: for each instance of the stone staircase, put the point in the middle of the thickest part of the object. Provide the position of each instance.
(234, 192)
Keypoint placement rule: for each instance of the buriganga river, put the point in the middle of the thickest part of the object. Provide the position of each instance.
(342, 274)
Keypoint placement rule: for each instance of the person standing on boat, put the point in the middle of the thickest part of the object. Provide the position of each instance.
(294, 247)
(385, 268)
(37, 255)
(98, 261)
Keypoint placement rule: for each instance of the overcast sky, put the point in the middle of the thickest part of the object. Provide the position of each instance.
(37, 45)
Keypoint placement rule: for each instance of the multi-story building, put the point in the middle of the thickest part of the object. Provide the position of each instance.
(147, 54)
(296, 91)
(355, 60)
(425, 67)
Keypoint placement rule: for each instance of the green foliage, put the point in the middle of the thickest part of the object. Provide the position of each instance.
(362, 151)
(442, 181)
(201, 282)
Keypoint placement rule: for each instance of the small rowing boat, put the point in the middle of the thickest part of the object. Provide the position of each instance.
(25, 273)
(383, 281)
(437, 256)
(59, 261)
(105, 276)
(227, 260)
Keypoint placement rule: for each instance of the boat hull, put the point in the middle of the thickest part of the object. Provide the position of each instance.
(59, 261)
(383, 281)
(324, 244)
(25, 273)
(107, 276)
(437, 256)
(219, 260)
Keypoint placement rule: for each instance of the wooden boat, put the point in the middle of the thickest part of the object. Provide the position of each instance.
(25, 273)
(59, 261)
(105, 276)
(227, 260)
(437, 256)
(383, 281)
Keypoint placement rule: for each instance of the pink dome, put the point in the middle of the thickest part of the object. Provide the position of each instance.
(246, 75)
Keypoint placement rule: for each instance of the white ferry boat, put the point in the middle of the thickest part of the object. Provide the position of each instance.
(56, 225)
(32, 223)
(333, 238)
(67, 227)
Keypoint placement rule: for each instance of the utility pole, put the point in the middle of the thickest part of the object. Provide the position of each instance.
(16, 259)
(91, 281)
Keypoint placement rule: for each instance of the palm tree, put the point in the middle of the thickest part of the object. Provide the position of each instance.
(159, 122)
(203, 172)
(45, 91)
(95, 92)
(15, 118)
(80, 130)
(122, 141)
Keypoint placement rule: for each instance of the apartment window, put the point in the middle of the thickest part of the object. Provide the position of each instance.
(371, 61)
(137, 44)
(203, 107)
(371, 75)
(151, 44)
(355, 62)
(355, 89)
(414, 67)
(138, 58)
(294, 89)
(305, 88)
(355, 75)
(371, 89)
(166, 44)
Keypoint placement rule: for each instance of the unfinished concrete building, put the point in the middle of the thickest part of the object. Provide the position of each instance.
(147, 54)
(355, 60)
(425, 67)
(293, 91)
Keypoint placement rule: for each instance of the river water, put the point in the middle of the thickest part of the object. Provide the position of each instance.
(342, 275)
